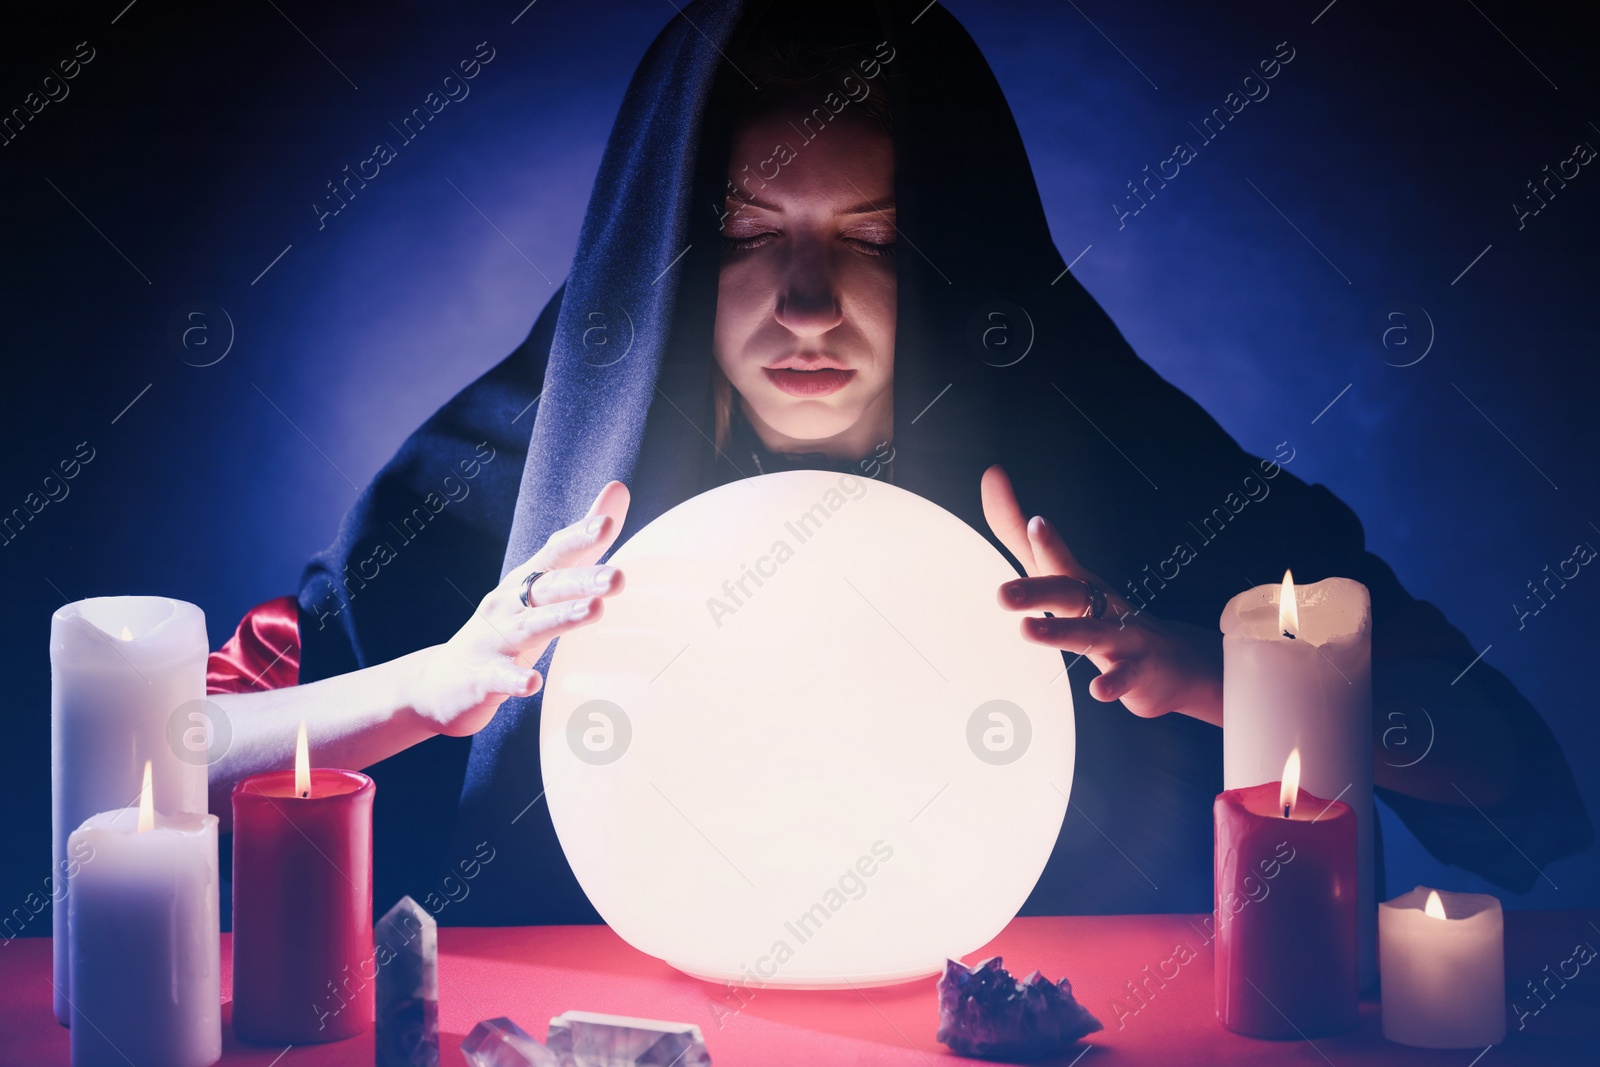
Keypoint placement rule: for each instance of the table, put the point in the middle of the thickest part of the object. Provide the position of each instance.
(1115, 963)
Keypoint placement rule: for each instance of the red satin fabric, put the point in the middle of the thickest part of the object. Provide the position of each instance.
(263, 653)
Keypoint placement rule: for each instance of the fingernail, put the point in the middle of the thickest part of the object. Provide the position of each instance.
(594, 524)
(602, 579)
(1014, 592)
(581, 608)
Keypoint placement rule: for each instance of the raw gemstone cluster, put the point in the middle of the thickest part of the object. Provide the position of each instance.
(588, 1039)
(984, 1012)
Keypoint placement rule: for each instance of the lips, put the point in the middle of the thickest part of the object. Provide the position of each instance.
(808, 383)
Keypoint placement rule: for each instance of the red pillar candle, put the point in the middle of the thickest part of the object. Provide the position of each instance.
(302, 905)
(1286, 889)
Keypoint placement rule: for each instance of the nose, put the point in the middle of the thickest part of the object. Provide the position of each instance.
(808, 299)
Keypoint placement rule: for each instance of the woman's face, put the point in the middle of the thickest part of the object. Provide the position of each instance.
(806, 299)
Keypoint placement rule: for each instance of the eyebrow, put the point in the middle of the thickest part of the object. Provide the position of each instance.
(866, 207)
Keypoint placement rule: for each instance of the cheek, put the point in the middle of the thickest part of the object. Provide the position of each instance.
(870, 295)
(739, 309)
(747, 288)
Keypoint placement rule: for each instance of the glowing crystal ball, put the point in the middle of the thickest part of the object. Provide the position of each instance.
(805, 746)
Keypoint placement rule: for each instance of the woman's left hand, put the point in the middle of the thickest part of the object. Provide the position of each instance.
(1153, 667)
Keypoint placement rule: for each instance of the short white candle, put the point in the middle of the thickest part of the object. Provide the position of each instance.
(120, 669)
(143, 935)
(1444, 974)
(1311, 691)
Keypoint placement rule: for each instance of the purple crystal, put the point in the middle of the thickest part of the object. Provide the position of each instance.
(985, 1012)
(502, 1043)
(589, 1039)
(406, 947)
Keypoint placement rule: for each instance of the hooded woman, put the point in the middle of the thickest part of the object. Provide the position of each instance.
(815, 240)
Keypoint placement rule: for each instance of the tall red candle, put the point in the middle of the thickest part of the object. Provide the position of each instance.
(1285, 912)
(302, 907)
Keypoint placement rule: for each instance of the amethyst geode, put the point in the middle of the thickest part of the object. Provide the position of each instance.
(985, 1012)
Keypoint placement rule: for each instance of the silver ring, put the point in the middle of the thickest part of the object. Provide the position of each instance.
(1096, 608)
(527, 588)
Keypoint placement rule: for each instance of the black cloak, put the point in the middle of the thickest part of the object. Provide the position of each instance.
(1129, 469)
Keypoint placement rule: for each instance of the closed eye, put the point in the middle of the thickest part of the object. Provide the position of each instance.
(865, 247)
(745, 244)
(870, 248)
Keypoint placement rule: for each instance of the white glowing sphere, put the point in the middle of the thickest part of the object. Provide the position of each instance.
(805, 746)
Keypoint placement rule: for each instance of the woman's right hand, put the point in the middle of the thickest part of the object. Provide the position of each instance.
(458, 686)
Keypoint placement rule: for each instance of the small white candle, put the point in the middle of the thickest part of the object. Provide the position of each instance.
(1297, 674)
(1444, 969)
(120, 669)
(143, 936)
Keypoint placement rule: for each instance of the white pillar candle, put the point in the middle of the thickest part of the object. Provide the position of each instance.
(1444, 969)
(1311, 691)
(120, 669)
(143, 936)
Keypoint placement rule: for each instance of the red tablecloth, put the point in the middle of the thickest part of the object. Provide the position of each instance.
(533, 973)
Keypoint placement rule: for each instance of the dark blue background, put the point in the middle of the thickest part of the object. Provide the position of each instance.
(197, 140)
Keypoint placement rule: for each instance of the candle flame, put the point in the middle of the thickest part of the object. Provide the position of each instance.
(147, 807)
(1288, 607)
(1434, 909)
(127, 634)
(1289, 792)
(302, 764)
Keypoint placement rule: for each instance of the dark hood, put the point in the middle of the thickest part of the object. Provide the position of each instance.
(615, 380)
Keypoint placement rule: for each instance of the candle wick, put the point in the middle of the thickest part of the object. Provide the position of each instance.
(1286, 811)
(1289, 635)
(307, 793)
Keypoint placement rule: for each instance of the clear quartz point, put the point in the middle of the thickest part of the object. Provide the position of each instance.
(406, 946)
(502, 1043)
(589, 1039)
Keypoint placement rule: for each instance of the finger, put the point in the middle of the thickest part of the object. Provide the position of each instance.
(1117, 682)
(515, 681)
(1004, 516)
(570, 583)
(582, 543)
(536, 627)
(1093, 637)
(612, 500)
(566, 547)
(1053, 592)
(1051, 550)
(611, 503)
